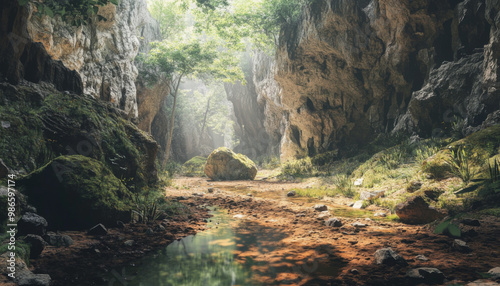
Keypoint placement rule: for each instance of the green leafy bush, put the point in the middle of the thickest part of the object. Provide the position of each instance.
(448, 228)
(194, 167)
(301, 167)
(460, 163)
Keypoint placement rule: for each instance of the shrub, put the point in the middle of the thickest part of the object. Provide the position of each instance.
(460, 163)
(148, 205)
(194, 167)
(301, 167)
(344, 185)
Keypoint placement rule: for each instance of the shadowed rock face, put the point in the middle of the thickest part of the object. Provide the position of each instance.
(352, 69)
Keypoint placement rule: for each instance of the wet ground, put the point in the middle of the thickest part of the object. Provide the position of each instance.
(259, 236)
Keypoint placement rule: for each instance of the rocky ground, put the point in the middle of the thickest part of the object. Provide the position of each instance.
(303, 250)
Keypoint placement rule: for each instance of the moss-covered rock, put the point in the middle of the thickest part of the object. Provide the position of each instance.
(77, 192)
(44, 123)
(224, 164)
(194, 166)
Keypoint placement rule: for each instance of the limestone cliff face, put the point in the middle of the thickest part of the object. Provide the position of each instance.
(257, 108)
(103, 52)
(352, 69)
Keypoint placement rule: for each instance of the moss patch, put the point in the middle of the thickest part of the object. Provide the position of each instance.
(224, 164)
(75, 192)
(194, 167)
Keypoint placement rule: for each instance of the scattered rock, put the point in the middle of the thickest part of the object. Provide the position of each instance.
(380, 214)
(37, 244)
(358, 205)
(334, 222)
(417, 211)
(389, 257)
(120, 224)
(31, 223)
(324, 214)
(358, 182)
(433, 194)
(471, 222)
(58, 240)
(367, 196)
(150, 231)
(291, 194)
(129, 243)
(159, 228)
(210, 190)
(414, 186)
(224, 164)
(358, 224)
(34, 280)
(425, 275)
(461, 246)
(354, 271)
(421, 257)
(198, 194)
(250, 195)
(320, 208)
(98, 229)
(495, 272)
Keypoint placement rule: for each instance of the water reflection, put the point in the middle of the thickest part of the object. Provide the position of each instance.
(230, 252)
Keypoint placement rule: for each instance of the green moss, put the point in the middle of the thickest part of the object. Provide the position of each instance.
(491, 211)
(224, 164)
(194, 166)
(45, 127)
(22, 248)
(77, 192)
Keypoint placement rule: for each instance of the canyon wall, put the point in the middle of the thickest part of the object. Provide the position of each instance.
(102, 52)
(350, 70)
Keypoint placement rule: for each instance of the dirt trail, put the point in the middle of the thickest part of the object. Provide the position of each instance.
(310, 253)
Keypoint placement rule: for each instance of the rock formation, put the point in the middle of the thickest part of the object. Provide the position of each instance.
(103, 52)
(350, 70)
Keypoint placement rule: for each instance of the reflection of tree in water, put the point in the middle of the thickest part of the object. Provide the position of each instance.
(245, 254)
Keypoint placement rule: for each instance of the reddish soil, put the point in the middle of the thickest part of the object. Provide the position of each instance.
(302, 249)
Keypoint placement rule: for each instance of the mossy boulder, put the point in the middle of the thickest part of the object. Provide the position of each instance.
(194, 166)
(77, 192)
(224, 164)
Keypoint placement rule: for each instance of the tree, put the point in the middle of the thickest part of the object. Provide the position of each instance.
(194, 58)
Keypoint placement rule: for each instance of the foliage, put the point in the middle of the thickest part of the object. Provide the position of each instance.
(324, 158)
(344, 184)
(170, 15)
(298, 168)
(268, 162)
(448, 228)
(494, 170)
(22, 249)
(194, 166)
(460, 163)
(148, 205)
(76, 12)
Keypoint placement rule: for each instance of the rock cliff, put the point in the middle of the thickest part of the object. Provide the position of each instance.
(103, 52)
(350, 70)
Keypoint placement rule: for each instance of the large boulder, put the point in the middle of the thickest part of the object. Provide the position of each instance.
(417, 211)
(224, 164)
(31, 223)
(77, 192)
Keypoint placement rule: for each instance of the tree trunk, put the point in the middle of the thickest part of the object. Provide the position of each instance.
(204, 121)
(172, 121)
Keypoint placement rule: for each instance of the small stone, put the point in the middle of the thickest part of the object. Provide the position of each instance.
(129, 243)
(98, 229)
(471, 222)
(31, 223)
(483, 282)
(149, 231)
(425, 275)
(358, 182)
(461, 246)
(250, 195)
(389, 257)
(414, 186)
(324, 214)
(334, 222)
(358, 205)
(291, 194)
(358, 224)
(120, 224)
(354, 271)
(320, 208)
(495, 272)
(367, 196)
(417, 211)
(380, 214)
(34, 280)
(37, 244)
(210, 190)
(421, 257)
